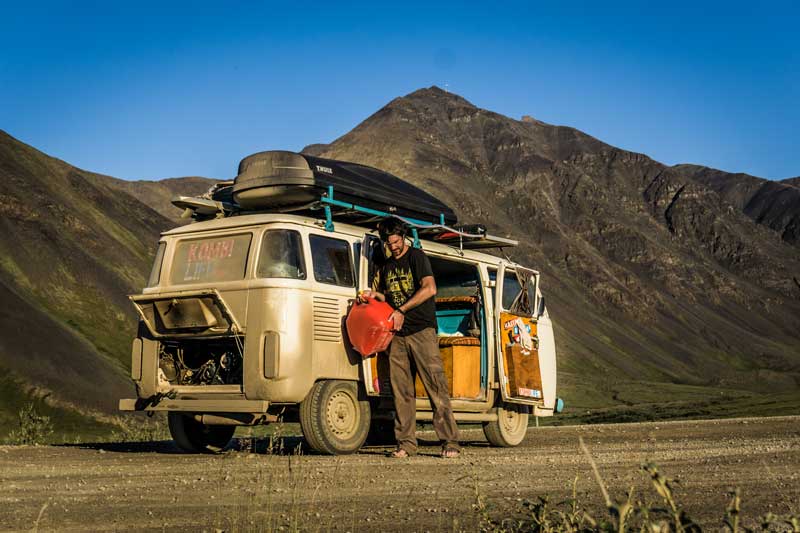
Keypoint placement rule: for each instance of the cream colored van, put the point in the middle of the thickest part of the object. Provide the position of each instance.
(242, 323)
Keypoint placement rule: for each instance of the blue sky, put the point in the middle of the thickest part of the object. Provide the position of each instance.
(152, 90)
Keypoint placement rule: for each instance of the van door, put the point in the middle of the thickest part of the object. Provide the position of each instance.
(375, 369)
(517, 342)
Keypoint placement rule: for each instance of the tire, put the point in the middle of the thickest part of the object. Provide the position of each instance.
(333, 418)
(193, 437)
(509, 429)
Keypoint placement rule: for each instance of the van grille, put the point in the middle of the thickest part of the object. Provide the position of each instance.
(327, 319)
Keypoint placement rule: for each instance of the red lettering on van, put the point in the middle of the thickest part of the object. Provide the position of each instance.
(210, 251)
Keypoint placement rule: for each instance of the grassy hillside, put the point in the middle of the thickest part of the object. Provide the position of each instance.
(72, 248)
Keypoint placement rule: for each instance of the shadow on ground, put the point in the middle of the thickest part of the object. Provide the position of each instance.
(289, 445)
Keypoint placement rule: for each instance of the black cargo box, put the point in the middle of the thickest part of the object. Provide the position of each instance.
(276, 180)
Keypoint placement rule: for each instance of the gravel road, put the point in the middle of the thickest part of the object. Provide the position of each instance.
(151, 486)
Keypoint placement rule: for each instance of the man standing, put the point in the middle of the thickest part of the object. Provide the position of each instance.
(406, 282)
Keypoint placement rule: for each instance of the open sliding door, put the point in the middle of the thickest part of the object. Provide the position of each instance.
(375, 369)
(517, 344)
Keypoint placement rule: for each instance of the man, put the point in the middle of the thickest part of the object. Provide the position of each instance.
(406, 282)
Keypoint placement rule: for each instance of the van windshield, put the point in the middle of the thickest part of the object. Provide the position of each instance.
(212, 259)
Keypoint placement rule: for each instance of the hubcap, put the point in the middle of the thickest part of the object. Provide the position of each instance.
(342, 414)
(510, 422)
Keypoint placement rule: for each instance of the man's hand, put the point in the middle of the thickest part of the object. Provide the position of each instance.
(363, 295)
(397, 319)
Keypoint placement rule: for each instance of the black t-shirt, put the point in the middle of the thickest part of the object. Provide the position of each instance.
(398, 280)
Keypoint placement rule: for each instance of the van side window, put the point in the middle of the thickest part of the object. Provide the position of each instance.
(155, 274)
(333, 263)
(454, 278)
(515, 299)
(511, 289)
(281, 255)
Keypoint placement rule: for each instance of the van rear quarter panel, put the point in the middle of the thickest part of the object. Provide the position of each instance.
(285, 311)
(303, 358)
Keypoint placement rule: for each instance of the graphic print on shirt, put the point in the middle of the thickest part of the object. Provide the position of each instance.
(399, 285)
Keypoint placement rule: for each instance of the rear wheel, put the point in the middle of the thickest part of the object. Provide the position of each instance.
(194, 437)
(333, 418)
(509, 429)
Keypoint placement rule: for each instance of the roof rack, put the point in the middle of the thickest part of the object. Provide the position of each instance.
(461, 236)
(199, 208)
(465, 237)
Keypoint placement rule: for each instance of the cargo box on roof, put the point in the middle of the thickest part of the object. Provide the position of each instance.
(280, 179)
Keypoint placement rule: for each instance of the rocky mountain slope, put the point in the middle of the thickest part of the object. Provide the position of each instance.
(774, 204)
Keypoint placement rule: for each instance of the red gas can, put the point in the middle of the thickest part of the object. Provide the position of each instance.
(369, 327)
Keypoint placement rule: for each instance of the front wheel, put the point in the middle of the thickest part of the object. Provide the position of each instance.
(195, 437)
(333, 418)
(509, 429)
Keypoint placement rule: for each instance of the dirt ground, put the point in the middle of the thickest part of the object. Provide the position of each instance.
(153, 487)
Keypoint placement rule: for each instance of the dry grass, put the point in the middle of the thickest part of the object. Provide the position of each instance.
(664, 515)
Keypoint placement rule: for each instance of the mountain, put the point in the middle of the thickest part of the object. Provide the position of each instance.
(665, 284)
(157, 194)
(651, 273)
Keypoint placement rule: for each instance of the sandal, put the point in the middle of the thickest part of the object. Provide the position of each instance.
(400, 453)
(450, 452)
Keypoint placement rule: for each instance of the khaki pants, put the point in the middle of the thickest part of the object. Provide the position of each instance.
(419, 349)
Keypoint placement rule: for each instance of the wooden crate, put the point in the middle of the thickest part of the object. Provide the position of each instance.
(462, 368)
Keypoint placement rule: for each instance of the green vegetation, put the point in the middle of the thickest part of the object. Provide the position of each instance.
(33, 427)
(638, 401)
(66, 424)
(87, 312)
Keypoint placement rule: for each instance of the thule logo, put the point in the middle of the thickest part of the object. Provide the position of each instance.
(326, 170)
